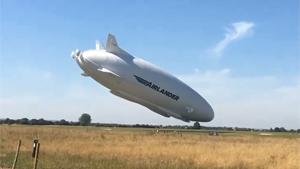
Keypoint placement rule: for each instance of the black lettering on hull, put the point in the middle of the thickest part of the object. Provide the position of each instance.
(157, 88)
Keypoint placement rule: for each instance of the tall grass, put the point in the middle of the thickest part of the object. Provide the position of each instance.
(90, 147)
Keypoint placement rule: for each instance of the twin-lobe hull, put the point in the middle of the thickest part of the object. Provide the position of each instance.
(143, 83)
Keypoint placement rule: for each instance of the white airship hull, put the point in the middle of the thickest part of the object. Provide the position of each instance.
(143, 83)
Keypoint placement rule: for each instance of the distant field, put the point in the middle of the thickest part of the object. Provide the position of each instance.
(130, 148)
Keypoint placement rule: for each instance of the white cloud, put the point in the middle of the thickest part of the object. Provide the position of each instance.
(236, 31)
(260, 102)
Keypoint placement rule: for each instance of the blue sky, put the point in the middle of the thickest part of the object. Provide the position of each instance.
(243, 56)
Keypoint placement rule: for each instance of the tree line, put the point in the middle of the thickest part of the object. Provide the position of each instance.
(85, 120)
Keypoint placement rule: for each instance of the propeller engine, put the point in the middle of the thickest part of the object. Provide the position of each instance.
(76, 53)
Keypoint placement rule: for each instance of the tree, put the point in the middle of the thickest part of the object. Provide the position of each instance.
(62, 122)
(33, 121)
(85, 119)
(24, 121)
(281, 129)
(196, 125)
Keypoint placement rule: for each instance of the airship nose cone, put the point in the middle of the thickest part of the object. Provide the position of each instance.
(206, 113)
(209, 113)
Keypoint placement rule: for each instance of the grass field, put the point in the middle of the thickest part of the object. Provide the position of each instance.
(128, 148)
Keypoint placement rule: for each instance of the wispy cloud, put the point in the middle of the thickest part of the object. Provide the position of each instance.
(236, 31)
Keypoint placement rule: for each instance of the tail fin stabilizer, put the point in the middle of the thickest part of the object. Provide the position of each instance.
(113, 47)
(111, 42)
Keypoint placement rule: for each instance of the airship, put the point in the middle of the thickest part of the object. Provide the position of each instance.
(141, 82)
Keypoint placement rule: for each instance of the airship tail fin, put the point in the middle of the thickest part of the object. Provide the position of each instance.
(108, 72)
(113, 47)
(111, 42)
(98, 45)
